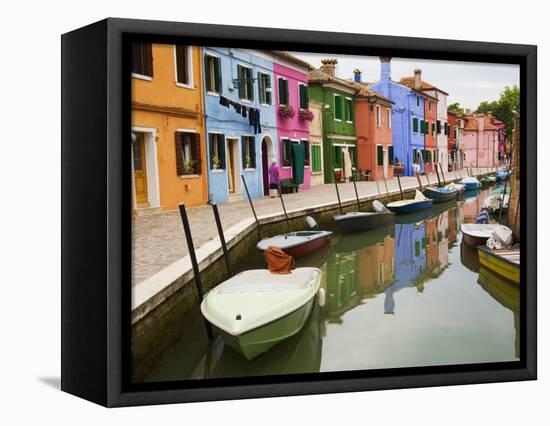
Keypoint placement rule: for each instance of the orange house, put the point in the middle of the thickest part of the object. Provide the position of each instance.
(373, 118)
(168, 142)
(430, 137)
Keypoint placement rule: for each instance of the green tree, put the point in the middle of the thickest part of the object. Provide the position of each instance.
(505, 109)
(456, 108)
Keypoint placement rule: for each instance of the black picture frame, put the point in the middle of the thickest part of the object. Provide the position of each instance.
(96, 211)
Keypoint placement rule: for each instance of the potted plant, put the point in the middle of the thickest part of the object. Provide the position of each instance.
(215, 162)
(248, 162)
(286, 111)
(398, 168)
(189, 167)
(286, 162)
(306, 115)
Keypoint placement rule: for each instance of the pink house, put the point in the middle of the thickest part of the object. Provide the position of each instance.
(293, 118)
(480, 141)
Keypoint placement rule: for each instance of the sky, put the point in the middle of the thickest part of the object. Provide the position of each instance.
(468, 83)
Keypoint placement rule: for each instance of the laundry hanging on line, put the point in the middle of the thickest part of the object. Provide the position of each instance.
(253, 114)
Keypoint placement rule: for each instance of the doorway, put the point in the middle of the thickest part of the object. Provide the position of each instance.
(385, 163)
(233, 166)
(140, 170)
(267, 157)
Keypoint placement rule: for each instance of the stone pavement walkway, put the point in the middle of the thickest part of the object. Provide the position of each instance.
(158, 240)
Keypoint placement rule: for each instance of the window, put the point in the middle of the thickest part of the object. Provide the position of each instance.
(338, 113)
(415, 124)
(428, 156)
(349, 110)
(338, 157)
(433, 129)
(142, 59)
(213, 79)
(264, 88)
(248, 147)
(378, 117)
(283, 91)
(422, 126)
(438, 126)
(217, 150)
(287, 146)
(390, 154)
(388, 118)
(305, 144)
(418, 101)
(246, 84)
(429, 105)
(417, 248)
(183, 64)
(379, 155)
(188, 153)
(316, 158)
(304, 96)
(415, 155)
(456, 132)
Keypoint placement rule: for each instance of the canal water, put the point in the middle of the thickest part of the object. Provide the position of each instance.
(406, 295)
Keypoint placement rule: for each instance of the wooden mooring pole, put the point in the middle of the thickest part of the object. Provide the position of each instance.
(337, 191)
(222, 239)
(356, 194)
(400, 189)
(194, 263)
(252, 207)
(283, 204)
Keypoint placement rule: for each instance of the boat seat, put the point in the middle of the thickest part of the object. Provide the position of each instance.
(261, 280)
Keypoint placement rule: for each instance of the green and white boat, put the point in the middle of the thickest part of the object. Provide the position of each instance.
(255, 310)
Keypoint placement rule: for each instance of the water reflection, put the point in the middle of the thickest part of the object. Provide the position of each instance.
(398, 296)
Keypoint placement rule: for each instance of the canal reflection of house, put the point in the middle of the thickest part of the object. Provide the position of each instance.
(453, 226)
(443, 239)
(342, 285)
(471, 207)
(432, 246)
(410, 260)
(377, 266)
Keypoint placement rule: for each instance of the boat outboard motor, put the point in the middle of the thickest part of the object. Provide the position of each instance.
(379, 207)
(313, 225)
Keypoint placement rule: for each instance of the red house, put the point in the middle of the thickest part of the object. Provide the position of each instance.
(373, 121)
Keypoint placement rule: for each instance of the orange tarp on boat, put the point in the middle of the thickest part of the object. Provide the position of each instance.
(278, 262)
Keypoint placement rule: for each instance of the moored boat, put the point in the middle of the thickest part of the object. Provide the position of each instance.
(440, 195)
(477, 234)
(255, 310)
(419, 202)
(363, 221)
(503, 262)
(470, 183)
(297, 244)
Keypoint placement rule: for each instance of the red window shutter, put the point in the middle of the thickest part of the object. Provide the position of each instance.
(196, 152)
(179, 154)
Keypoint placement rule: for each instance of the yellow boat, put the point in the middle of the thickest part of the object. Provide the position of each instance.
(504, 262)
(503, 291)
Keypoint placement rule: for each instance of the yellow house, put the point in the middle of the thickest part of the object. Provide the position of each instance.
(168, 143)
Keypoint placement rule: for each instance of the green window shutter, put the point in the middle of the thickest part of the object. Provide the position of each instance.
(415, 155)
(304, 96)
(240, 77)
(417, 248)
(283, 92)
(390, 154)
(221, 150)
(207, 77)
(418, 101)
(415, 125)
(380, 155)
(338, 107)
(316, 158)
(261, 88)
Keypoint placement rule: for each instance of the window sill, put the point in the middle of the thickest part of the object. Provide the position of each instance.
(246, 101)
(316, 173)
(184, 86)
(193, 176)
(142, 77)
(250, 169)
(338, 119)
(217, 170)
(213, 94)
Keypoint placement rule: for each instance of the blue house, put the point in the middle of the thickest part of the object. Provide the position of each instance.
(410, 260)
(408, 125)
(240, 122)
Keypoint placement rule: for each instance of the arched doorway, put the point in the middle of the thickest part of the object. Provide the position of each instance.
(267, 156)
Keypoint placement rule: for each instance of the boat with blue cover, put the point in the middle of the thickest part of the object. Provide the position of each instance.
(470, 183)
(419, 202)
(441, 195)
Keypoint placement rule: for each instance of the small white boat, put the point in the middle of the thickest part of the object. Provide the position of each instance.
(419, 202)
(477, 234)
(296, 244)
(255, 310)
(459, 187)
(470, 183)
(493, 202)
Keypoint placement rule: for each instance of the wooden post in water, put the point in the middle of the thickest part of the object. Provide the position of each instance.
(400, 190)
(354, 175)
(194, 263)
(442, 174)
(437, 174)
(386, 185)
(252, 207)
(222, 239)
(283, 204)
(337, 191)
(503, 198)
(419, 181)
(378, 189)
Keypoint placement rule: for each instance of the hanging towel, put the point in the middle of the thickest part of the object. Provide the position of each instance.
(347, 164)
(243, 112)
(278, 262)
(298, 163)
(224, 101)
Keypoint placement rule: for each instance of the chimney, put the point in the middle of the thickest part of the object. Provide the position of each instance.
(329, 66)
(385, 68)
(417, 79)
(357, 75)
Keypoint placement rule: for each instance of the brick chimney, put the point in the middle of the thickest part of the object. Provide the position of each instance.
(385, 68)
(357, 75)
(417, 79)
(329, 66)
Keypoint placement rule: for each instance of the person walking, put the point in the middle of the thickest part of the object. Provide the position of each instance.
(273, 179)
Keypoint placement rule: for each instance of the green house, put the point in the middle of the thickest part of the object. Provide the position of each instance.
(337, 98)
